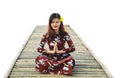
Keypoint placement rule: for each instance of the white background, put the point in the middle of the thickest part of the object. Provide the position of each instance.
(95, 21)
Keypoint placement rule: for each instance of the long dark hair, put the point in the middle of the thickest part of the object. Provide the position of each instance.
(51, 32)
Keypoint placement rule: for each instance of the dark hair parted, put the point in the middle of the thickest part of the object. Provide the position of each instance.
(51, 32)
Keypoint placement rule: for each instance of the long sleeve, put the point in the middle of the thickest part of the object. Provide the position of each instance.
(42, 44)
(70, 43)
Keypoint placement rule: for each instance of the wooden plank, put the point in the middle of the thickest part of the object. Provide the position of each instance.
(77, 63)
(76, 75)
(36, 73)
(77, 66)
(54, 77)
(32, 60)
(76, 69)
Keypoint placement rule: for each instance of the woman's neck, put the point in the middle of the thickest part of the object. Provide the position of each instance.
(57, 31)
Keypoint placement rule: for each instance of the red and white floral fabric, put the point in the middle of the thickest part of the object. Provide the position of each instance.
(57, 63)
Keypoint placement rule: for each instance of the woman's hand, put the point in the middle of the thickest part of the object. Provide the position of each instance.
(52, 51)
(56, 49)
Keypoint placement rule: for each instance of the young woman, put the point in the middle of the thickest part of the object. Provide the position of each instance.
(57, 59)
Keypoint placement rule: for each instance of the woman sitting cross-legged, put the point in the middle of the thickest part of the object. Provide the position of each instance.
(57, 60)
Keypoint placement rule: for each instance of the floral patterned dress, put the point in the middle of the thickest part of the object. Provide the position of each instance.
(57, 63)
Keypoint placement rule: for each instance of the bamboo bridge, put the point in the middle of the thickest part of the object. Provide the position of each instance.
(87, 65)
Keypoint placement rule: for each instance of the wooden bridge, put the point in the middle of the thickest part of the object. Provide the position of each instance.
(87, 65)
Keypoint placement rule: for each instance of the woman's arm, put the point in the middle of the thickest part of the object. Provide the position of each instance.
(51, 51)
(58, 51)
(70, 43)
(41, 48)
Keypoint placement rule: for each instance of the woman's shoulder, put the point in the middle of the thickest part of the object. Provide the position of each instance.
(45, 34)
(66, 33)
(67, 36)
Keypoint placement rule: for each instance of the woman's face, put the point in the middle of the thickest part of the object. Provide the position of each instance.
(55, 24)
